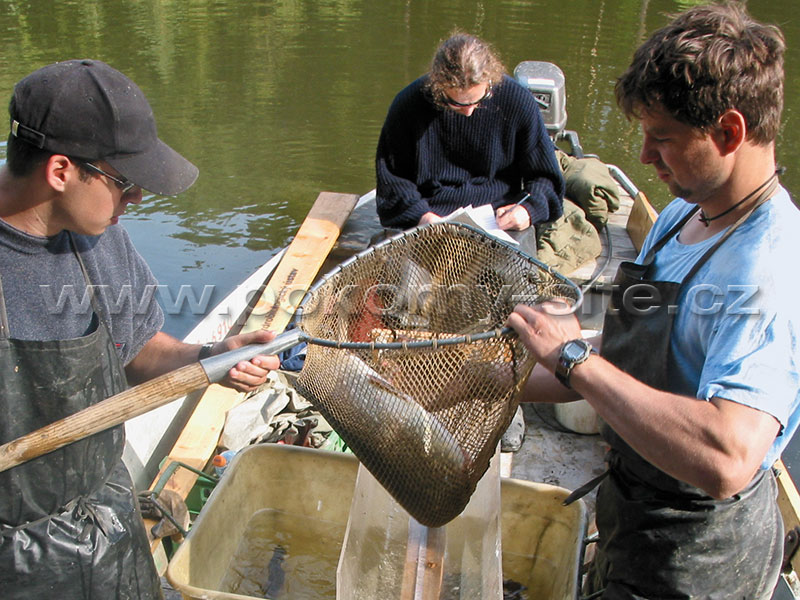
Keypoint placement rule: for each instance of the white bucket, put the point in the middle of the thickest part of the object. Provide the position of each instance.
(578, 416)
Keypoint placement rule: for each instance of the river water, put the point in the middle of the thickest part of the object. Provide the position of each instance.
(277, 100)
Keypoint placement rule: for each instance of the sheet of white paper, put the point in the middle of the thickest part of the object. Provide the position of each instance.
(481, 217)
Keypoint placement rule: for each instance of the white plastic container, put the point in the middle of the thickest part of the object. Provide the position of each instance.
(578, 416)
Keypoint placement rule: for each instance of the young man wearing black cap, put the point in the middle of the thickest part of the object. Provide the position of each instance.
(83, 146)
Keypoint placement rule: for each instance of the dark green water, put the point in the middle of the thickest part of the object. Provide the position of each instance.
(278, 100)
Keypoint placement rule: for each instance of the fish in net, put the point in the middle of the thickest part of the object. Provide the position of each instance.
(424, 415)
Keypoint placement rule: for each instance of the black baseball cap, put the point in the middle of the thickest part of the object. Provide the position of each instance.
(89, 110)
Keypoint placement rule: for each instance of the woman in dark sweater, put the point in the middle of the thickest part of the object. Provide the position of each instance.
(466, 133)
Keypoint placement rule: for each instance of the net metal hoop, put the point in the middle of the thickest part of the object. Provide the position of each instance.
(433, 343)
(408, 345)
(392, 367)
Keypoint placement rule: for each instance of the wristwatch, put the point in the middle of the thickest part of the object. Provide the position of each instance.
(573, 352)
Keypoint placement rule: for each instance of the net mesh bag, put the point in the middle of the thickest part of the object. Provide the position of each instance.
(425, 421)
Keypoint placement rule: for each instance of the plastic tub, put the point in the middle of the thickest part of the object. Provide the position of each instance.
(291, 493)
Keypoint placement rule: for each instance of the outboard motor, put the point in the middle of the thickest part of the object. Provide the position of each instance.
(546, 82)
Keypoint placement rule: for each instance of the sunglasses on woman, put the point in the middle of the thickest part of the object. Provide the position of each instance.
(450, 102)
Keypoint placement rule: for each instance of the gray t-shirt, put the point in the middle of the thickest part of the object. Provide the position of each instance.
(46, 294)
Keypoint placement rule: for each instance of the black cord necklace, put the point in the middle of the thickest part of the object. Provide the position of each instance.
(706, 220)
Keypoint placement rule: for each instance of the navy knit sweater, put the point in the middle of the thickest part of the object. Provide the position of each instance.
(433, 159)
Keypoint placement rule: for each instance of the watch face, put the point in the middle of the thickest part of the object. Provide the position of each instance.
(573, 350)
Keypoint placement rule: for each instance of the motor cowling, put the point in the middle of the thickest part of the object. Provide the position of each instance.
(546, 82)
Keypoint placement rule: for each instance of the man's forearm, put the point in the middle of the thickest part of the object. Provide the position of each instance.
(715, 445)
(161, 354)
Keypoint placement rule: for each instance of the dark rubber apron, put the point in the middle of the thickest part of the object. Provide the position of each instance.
(70, 525)
(660, 537)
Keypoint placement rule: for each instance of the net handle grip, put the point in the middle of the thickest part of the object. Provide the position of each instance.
(217, 366)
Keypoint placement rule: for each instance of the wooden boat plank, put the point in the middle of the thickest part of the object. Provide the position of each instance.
(789, 503)
(642, 217)
(618, 219)
(302, 262)
(621, 243)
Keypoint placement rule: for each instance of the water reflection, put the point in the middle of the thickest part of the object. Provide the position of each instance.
(276, 100)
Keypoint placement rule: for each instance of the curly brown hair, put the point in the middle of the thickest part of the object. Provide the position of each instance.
(710, 59)
(462, 61)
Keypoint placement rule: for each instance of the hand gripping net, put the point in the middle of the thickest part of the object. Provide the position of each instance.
(425, 421)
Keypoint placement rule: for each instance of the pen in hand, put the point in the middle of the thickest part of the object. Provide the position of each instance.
(523, 196)
(510, 222)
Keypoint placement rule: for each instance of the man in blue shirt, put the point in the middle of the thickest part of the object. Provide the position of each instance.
(697, 377)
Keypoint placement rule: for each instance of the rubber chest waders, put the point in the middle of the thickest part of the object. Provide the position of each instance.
(69, 522)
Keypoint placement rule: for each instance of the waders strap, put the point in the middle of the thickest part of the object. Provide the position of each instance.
(3, 316)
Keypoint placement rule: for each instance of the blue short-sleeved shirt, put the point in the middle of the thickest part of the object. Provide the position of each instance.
(737, 325)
